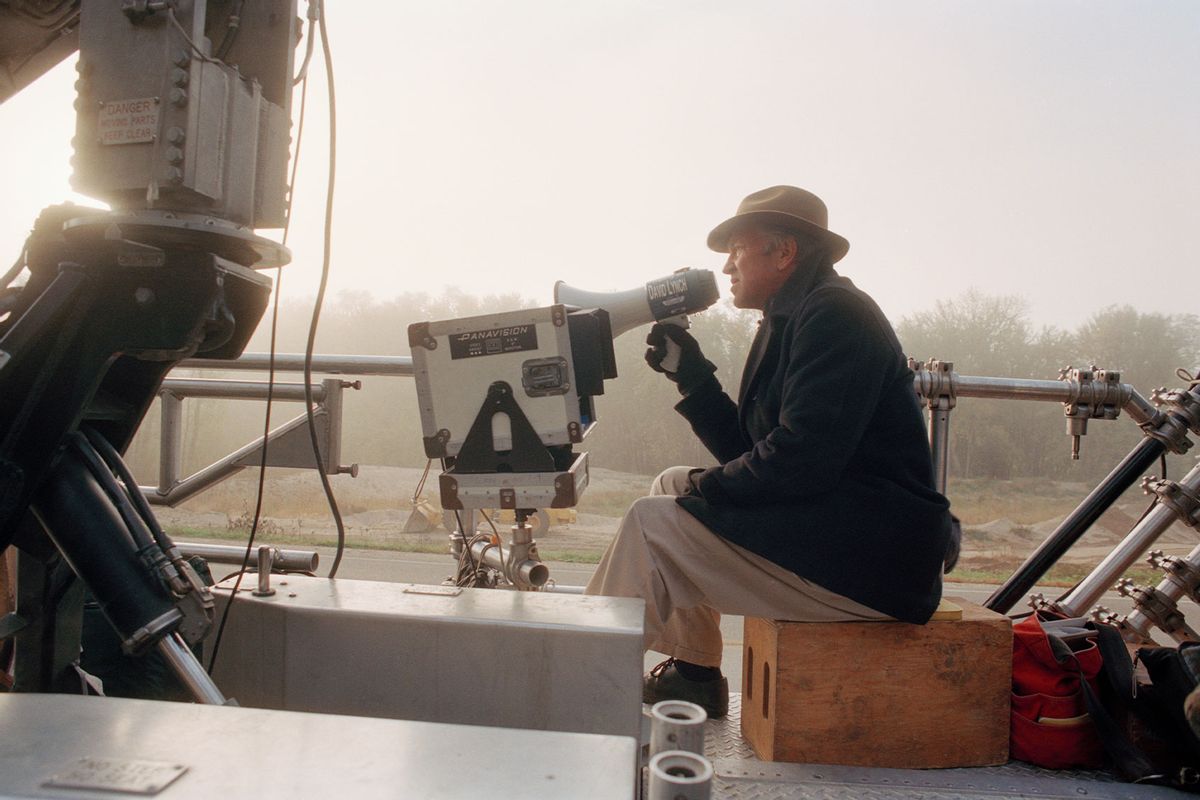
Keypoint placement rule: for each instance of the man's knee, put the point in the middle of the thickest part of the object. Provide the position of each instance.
(672, 480)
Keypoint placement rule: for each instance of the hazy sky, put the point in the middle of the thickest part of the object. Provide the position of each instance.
(1049, 148)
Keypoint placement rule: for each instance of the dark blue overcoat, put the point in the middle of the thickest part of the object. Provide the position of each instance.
(824, 461)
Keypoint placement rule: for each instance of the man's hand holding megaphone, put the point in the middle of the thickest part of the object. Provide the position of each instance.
(691, 369)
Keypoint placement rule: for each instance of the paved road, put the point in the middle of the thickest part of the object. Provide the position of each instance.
(392, 566)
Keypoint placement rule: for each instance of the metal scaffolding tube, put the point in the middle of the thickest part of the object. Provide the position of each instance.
(525, 572)
(281, 560)
(1074, 526)
(1138, 621)
(239, 390)
(189, 670)
(180, 490)
(170, 442)
(1140, 410)
(325, 364)
(939, 442)
(1085, 595)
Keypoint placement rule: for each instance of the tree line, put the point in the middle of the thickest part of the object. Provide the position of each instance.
(638, 430)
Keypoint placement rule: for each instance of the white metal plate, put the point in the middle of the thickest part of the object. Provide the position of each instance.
(129, 121)
(127, 775)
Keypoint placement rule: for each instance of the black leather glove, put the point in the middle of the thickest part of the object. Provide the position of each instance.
(694, 369)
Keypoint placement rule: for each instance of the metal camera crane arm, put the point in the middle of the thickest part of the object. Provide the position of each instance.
(183, 110)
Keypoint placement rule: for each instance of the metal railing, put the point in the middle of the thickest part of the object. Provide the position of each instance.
(1085, 394)
(289, 444)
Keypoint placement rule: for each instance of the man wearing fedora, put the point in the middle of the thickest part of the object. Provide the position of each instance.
(822, 504)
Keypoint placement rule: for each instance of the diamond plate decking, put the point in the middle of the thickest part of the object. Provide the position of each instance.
(740, 774)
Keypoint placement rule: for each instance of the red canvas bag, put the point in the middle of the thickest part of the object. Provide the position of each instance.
(1050, 724)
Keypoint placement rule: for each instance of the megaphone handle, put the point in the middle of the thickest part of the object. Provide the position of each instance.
(670, 361)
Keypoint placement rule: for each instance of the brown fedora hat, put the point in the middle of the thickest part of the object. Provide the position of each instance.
(785, 207)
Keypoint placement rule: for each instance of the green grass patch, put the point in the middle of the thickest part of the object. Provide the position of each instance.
(997, 571)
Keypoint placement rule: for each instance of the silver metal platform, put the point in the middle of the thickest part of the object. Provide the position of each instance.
(103, 748)
(740, 774)
(532, 660)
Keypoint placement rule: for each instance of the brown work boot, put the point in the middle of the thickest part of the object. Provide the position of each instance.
(665, 683)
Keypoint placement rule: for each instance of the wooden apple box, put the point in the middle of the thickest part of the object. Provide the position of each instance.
(880, 694)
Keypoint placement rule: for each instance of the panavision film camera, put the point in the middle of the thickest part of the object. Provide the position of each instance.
(504, 397)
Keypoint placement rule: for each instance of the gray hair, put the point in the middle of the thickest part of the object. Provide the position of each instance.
(806, 246)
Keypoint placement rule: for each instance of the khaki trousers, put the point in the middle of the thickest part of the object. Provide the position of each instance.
(689, 576)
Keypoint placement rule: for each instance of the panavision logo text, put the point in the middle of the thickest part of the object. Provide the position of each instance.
(496, 333)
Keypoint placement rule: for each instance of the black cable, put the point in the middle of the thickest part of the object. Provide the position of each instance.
(233, 24)
(140, 536)
(316, 315)
(262, 466)
(114, 462)
(466, 542)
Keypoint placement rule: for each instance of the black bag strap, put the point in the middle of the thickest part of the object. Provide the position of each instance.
(1118, 669)
(1129, 762)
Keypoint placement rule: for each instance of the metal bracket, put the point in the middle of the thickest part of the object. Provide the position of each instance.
(1160, 609)
(935, 382)
(1182, 408)
(1095, 394)
(1183, 501)
(1179, 571)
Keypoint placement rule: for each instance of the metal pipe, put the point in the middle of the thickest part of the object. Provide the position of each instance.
(1140, 410)
(215, 472)
(331, 392)
(281, 560)
(264, 573)
(197, 482)
(526, 573)
(939, 442)
(190, 672)
(680, 775)
(677, 725)
(239, 390)
(1089, 591)
(1074, 526)
(1011, 388)
(170, 452)
(1138, 621)
(325, 364)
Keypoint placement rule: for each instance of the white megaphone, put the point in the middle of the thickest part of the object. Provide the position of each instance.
(668, 299)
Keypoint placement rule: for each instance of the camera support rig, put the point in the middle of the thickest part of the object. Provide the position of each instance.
(1166, 421)
(101, 322)
(190, 150)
